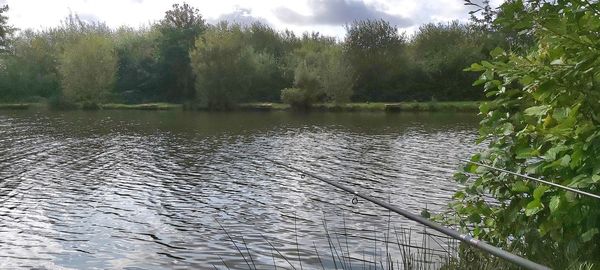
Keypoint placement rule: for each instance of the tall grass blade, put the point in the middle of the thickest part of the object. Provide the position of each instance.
(288, 261)
(236, 246)
(248, 250)
(297, 246)
(318, 257)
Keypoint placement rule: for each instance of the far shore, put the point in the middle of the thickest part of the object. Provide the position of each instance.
(433, 106)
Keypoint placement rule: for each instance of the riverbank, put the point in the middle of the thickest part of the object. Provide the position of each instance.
(142, 107)
(451, 106)
(15, 106)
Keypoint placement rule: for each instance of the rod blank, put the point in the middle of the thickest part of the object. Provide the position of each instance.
(498, 252)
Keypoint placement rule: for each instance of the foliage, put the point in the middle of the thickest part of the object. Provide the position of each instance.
(337, 77)
(376, 52)
(5, 29)
(31, 70)
(88, 68)
(440, 52)
(223, 67)
(271, 49)
(373, 63)
(483, 15)
(178, 32)
(137, 75)
(321, 73)
(142, 107)
(543, 120)
(297, 98)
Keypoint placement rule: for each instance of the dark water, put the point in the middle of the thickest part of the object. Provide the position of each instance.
(144, 189)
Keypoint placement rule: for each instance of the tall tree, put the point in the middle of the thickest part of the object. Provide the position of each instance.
(88, 70)
(32, 68)
(5, 29)
(179, 29)
(441, 52)
(271, 49)
(137, 77)
(375, 50)
(224, 67)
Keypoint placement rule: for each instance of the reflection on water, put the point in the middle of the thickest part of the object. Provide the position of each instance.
(144, 189)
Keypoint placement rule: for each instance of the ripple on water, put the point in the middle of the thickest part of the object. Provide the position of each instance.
(144, 190)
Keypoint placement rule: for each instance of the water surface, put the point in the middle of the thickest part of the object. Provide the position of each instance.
(128, 189)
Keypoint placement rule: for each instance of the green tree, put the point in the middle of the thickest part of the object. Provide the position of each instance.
(179, 29)
(375, 51)
(223, 66)
(320, 73)
(542, 120)
(337, 77)
(88, 70)
(31, 69)
(5, 29)
(441, 52)
(271, 49)
(138, 75)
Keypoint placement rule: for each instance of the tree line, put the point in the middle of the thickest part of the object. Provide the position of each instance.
(183, 59)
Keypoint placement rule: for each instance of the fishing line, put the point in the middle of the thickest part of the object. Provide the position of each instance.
(534, 179)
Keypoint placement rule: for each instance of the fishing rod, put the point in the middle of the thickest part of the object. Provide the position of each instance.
(447, 231)
(534, 179)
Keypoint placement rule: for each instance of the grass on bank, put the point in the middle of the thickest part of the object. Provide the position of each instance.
(450, 106)
(16, 106)
(142, 107)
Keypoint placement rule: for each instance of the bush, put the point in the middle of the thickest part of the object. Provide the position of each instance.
(542, 120)
(297, 98)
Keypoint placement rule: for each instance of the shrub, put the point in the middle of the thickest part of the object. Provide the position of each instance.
(542, 120)
(295, 97)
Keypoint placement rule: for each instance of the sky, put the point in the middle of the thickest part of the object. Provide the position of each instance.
(325, 16)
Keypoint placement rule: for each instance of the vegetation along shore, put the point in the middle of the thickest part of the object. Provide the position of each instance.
(447, 106)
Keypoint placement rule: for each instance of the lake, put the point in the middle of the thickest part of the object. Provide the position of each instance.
(149, 190)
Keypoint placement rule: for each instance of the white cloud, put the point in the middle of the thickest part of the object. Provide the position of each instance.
(43, 13)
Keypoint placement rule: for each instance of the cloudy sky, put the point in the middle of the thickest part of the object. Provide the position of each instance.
(325, 16)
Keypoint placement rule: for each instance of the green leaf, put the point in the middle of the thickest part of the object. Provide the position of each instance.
(533, 208)
(539, 192)
(475, 67)
(538, 110)
(487, 64)
(560, 114)
(554, 203)
(553, 152)
(527, 80)
(461, 177)
(508, 128)
(526, 152)
(565, 160)
(484, 107)
(589, 235)
(571, 196)
(497, 52)
(520, 187)
(475, 218)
